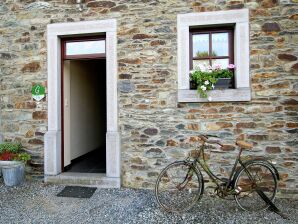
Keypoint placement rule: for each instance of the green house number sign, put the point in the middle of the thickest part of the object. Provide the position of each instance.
(38, 92)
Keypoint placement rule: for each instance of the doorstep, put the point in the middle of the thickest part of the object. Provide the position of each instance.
(99, 180)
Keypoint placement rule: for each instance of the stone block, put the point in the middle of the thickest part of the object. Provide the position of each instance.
(287, 57)
(154, 153)
(273, 149)
(171, 142)
(101, 4)
(35, 141)
(157, 42)
(119, 8)
(257, 137)
(151, 131)
(246, 125)
(143, 36)
(126, 86)
(228, 148)
(271, 27)
(38, 5)
(31, 67)
(194, 127)
(269, 3)
(7, 56)
(39, 115)
(130, 61)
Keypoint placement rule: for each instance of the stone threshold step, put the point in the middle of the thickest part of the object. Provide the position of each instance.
(84, 179)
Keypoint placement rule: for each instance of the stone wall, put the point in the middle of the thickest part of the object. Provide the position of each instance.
(155, 128)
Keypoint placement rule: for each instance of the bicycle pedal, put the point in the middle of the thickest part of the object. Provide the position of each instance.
(237, 190)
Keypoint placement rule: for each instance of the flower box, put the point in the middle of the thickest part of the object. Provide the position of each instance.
(222, 83)
(208, 77)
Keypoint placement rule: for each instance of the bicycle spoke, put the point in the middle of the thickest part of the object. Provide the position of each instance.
(181, 189)
(261, 177)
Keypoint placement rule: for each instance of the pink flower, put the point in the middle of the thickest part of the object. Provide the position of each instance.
(217, 67)
(231, 66)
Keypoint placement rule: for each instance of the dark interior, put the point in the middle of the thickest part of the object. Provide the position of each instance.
(94, 161)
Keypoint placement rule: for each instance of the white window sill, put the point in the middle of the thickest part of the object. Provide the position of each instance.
(226, 95)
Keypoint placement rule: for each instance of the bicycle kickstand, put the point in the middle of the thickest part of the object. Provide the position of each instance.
(272, 205)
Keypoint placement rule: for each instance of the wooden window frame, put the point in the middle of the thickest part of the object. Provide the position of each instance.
(82, 56)
(210, 31)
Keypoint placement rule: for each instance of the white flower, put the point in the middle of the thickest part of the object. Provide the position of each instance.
(206, 82)
(203, 88)
(212, 86)
(192, 71)
(197, 67)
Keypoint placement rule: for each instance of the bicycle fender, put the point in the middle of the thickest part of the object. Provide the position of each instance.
(264, 160)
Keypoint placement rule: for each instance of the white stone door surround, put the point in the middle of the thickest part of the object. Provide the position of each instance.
(52, 149)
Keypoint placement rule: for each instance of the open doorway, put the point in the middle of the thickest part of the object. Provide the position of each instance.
(84, 106)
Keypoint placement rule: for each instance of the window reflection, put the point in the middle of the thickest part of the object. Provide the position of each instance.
(220, 44)
(85, 47)
(200, 45)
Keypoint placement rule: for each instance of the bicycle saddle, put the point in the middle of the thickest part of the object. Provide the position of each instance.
(244, 145)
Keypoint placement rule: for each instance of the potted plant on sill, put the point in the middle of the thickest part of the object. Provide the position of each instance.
(211, 77)
(12, 163)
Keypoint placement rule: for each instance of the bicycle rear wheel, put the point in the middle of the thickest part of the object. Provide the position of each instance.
(178, 187)
(264, 179)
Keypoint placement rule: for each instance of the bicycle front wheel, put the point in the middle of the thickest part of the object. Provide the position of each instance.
(263, 178)
(178, 187)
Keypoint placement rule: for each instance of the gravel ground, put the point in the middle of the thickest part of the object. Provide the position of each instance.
(35, 202)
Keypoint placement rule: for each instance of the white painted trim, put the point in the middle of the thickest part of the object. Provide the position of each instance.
(227, 95)
(241, 40)
(52, 149)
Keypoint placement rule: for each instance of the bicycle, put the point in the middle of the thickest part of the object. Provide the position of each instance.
(253, 184)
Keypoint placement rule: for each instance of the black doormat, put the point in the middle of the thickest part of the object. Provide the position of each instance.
(77, 192)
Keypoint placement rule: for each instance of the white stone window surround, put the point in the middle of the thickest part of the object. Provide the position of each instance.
(52, 149)
(240, 18)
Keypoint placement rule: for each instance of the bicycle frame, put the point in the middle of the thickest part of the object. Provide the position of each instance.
(202, 161)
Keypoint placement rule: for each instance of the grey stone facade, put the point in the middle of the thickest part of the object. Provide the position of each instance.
(155, 128)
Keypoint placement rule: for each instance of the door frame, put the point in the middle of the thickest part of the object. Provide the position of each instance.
(65, 57)
(53, 137)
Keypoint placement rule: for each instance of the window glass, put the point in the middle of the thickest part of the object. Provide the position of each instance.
(222, 62)
(220, 44)
(85, 47)
(200, 64)
(200, 45)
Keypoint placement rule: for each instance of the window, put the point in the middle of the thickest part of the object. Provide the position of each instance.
(84, 47)
(211, 47)
(218, 37)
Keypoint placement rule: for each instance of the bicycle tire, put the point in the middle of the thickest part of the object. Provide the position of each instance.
(179, 187)
(248, 198)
